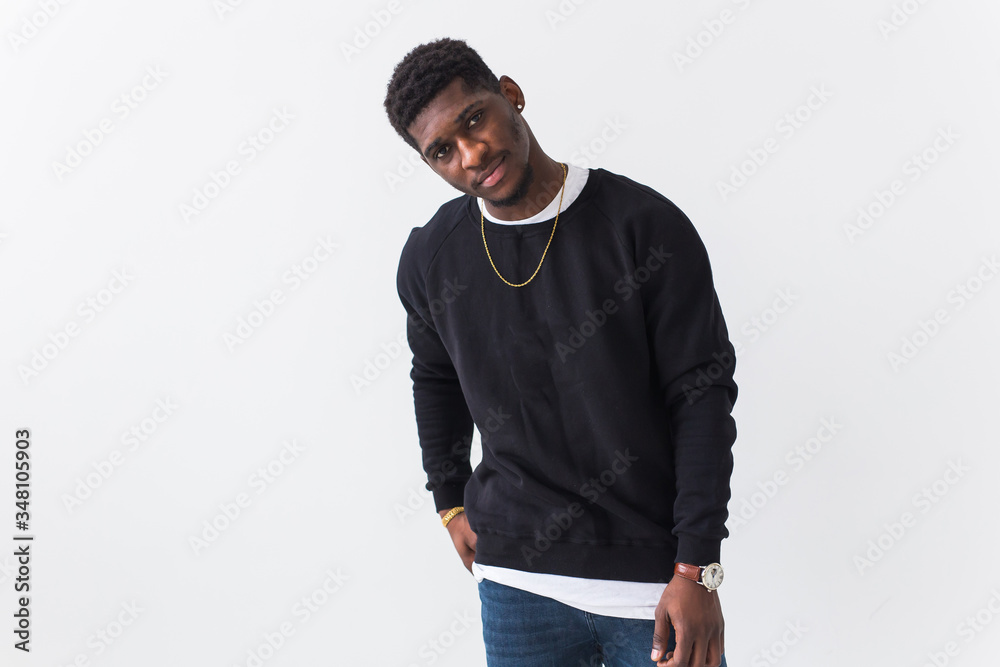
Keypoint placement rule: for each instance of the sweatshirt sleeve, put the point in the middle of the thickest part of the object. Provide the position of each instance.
(444, 424)
(694, 362)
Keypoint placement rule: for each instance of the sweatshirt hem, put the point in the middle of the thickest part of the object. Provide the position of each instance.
(618, 562)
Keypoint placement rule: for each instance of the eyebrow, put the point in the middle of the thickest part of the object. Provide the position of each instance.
(458, 119)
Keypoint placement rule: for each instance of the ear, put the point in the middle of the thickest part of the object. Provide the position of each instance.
(512, 91)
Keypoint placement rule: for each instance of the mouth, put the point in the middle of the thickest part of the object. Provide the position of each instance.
(493, 174)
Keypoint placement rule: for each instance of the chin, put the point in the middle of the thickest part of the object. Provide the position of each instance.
(516, 192)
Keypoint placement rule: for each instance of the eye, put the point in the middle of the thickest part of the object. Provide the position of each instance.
(440, 152)
(475, 118)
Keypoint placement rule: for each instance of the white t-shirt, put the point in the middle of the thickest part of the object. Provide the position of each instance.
(623, 599)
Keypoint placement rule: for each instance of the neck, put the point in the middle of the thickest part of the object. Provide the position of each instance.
(546, 185)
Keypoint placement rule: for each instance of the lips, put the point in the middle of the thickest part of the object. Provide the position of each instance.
(494, 173)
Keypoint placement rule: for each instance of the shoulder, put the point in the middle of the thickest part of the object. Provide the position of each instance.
(637, 210)
(424, 242)
(630, 195)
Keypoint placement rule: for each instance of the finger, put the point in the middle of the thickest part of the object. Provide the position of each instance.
(661, 635)
(713, 657)
(661, 632)
(720, 645)
(699, 652)
(682, 651)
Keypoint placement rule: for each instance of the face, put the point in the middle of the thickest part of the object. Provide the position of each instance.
(477, 142)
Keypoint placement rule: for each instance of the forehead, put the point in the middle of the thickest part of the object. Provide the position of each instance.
(446, 111)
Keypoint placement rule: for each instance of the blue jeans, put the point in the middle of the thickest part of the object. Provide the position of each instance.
(521, 629)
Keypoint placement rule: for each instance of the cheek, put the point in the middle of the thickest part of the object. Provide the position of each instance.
(520, 135)
(441, 169)
(505, 132)
(453, 174)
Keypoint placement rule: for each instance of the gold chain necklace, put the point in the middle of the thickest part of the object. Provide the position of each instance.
(482, 225)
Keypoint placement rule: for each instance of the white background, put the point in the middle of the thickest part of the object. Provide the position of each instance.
(338, 513)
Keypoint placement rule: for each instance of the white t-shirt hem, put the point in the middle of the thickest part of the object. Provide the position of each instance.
(621, 599)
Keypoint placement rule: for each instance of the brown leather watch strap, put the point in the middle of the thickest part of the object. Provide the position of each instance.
(692, 572)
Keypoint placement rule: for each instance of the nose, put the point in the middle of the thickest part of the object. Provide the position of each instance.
(472, 153)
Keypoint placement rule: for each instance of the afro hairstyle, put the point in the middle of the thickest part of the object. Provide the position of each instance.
(427, 70)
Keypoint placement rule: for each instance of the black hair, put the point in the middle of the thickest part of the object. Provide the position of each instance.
(427, 70)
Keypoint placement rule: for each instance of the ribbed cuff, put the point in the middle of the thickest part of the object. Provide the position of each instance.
(696, 551)
(448, 495)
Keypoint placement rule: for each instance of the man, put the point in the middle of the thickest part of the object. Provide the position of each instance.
(570, 315)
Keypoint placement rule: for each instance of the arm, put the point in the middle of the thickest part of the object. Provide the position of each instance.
(704, 432)
(445, 430)
(695, 363)
(444, 424)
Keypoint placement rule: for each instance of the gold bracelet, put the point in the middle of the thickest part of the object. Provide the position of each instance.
(452, 513)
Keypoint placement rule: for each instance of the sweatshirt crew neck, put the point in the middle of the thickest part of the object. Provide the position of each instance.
(602, 390)
(576, 179)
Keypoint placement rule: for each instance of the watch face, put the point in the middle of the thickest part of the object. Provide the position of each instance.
(712, 576)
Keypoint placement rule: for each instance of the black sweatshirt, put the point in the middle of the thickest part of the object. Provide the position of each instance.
(602, 389)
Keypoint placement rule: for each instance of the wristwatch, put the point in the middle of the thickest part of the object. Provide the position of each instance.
(709, 576)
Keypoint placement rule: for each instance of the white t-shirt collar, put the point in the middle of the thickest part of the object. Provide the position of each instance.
(576, 178)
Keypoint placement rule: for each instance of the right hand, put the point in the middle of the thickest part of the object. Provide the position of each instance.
(463, 537)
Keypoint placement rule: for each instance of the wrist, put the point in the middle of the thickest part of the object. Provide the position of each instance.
(709, 576)
(448, 515)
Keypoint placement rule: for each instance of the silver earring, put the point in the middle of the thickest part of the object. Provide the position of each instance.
(520, 106)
